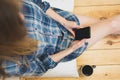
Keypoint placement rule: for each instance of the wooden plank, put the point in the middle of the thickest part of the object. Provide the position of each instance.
(99, 57)
(95, 2)
(98, 11)
(110, 42)
(110, 72)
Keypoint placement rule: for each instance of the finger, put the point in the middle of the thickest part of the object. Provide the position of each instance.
(72, 32)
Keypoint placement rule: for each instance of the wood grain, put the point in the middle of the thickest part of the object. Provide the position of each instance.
(99, 57)
(83, 3)
(108, 43)
(98, 11)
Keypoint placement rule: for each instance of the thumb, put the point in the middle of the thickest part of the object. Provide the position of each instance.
(72, 32)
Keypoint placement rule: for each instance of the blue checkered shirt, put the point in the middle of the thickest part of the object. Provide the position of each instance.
(53, 38)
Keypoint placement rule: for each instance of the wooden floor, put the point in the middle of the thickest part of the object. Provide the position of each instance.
(105, 54)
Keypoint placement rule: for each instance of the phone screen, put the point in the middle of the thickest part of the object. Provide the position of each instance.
(82, 33)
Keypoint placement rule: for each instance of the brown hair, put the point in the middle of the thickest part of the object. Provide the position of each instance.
(13, 40)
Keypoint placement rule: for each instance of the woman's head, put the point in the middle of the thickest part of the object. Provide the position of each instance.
(11, 25)
(12, 30)
(13, 40)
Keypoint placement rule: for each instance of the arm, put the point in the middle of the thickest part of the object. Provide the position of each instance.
(75, 45)
(67, 24)
(56, 16)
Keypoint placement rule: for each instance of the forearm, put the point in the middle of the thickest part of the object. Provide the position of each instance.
(74, 46)
(69, 25)
(55, 16)
(58, 56)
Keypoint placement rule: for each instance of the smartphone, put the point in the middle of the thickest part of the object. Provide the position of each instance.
(82, 33)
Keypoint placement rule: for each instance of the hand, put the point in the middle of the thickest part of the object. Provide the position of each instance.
(70, 25)
(77, 44)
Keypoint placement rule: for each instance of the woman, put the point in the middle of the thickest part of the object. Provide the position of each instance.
(36, 37)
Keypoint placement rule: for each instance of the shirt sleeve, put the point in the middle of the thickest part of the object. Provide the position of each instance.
(26, 67)
(42, 4)
(39, 66)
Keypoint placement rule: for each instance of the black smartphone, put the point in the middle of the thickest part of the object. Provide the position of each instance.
(82, 33)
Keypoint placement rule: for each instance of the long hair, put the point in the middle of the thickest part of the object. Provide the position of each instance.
(13, 40)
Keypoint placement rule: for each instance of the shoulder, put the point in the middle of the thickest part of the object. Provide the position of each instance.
(29, 8)
(29, 4)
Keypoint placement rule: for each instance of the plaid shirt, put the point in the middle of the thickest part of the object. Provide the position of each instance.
(52, 35)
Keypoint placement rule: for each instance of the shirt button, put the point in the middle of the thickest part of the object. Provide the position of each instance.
(22, 68)
(35, 28)
(53, 32)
